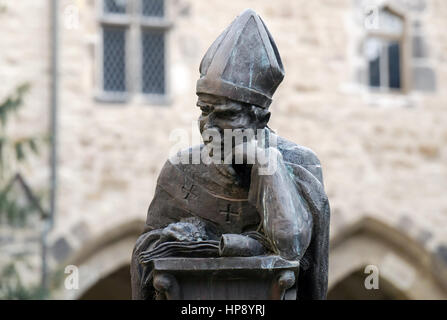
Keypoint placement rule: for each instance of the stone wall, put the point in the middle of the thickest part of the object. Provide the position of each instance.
(383, 155)
(24, 58)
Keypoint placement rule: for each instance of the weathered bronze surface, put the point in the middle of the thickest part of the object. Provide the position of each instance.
(210, 223)
(266, 277)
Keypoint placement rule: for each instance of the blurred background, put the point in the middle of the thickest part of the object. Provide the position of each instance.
(92, 90)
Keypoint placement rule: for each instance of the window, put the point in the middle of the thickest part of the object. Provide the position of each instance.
(153, 43)
(383, 63)
(383, 50)
(114, 59)
(133, 52)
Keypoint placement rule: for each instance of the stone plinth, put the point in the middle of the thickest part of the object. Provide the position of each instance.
(235, 278)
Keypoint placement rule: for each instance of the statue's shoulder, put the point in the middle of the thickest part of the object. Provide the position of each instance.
(186, 161)
(297, 154)
(300, 155)
(186, 156)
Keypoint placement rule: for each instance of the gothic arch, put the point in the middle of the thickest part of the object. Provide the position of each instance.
(407, 270)
(393, 8)
(102, 259)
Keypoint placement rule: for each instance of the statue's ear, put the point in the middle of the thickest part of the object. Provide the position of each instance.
(264, 118)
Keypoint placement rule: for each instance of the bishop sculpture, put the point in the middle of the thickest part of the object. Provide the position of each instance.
(256, 206)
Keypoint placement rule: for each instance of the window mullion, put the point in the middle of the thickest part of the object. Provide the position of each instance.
(130, 60)
(132, 56)
(136, 48)
(384, 77)
(138, 71)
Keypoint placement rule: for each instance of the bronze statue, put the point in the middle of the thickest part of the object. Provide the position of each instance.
(226, 208)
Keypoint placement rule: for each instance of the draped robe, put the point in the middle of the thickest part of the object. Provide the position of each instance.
(205, 191)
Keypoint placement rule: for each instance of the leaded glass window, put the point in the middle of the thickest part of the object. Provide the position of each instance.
(383, 51)
(114, 6)
(153, 46)
(114, 59)
(133, 48)
(384, 63)
(153, 8)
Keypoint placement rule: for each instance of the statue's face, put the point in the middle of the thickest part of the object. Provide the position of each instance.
(221, 113)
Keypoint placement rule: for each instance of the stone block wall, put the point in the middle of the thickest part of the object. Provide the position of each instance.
(383, 155)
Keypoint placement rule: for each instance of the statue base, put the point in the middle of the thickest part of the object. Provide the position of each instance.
(226, 278)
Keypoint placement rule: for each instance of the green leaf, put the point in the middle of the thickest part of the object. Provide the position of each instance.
(12, 103)
(2, 143)
(33, 145)
(20, 155)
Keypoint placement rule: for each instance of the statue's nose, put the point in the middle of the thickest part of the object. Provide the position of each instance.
(209, 125)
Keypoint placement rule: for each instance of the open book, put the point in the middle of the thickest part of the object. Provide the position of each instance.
(204, 248)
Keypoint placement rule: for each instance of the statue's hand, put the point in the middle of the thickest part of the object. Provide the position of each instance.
(245, 153)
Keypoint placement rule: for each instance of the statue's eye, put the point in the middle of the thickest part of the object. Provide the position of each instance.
(205, 109)
(229, 114)
(226, 114)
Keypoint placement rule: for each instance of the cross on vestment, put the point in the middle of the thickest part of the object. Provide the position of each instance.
(228, 213)
(188, 191)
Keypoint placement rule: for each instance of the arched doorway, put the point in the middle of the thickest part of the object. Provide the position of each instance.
(115, 286)
(104, 265)
(352, 287)
(406, 269)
